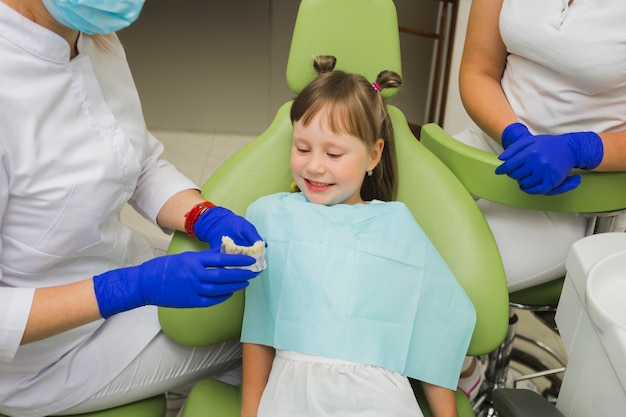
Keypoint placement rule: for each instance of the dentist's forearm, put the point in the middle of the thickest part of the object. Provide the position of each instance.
(61, 308)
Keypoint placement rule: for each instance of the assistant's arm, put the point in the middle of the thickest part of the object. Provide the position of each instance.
(482, 65)
(614, 157)
(441, 400)
(257, 363)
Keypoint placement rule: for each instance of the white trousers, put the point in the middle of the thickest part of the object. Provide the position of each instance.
(163, 366)
(533, 244)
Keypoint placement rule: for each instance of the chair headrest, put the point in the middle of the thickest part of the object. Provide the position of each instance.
(362, 34)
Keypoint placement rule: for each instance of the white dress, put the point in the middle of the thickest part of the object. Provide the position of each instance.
(324, 387)
(74, 149)
(565, 72)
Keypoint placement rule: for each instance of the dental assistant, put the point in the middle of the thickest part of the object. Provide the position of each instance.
(545, 86)
(78, 320)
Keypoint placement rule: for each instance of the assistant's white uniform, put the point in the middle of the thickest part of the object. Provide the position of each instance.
(74, 149)
(565, 73)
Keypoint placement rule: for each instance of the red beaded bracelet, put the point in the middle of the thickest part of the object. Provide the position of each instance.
(192, 215)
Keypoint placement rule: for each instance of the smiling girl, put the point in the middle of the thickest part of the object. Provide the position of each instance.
(355, 297)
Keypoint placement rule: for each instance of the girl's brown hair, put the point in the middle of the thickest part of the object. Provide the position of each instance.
(354, 106)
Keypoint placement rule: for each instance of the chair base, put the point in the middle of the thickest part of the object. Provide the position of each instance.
(520, 403)
(531, 359)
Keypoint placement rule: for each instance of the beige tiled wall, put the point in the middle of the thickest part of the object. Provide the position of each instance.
(219, 66)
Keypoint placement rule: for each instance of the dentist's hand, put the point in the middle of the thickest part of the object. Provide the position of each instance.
(190, 279)
(541, 164)
(219, 221)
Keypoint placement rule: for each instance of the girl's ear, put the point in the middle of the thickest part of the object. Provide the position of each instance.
(377, 153)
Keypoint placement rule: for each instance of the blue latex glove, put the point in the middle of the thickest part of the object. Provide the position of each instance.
(190, 279)
(514, 132)
(541, 164)
(219, 221)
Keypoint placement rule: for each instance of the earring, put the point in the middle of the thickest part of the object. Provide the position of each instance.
(369, 173)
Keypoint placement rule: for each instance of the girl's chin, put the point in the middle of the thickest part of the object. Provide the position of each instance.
(324, 200)
(317, 198)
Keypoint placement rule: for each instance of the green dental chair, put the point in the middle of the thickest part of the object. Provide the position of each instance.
(600, 196)
(363, 35)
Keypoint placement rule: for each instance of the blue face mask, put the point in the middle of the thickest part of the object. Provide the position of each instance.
(95, 16)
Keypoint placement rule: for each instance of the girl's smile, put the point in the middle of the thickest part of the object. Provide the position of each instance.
(317, 186)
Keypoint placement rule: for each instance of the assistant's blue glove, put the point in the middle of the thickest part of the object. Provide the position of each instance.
(541, 164)
(514, 132)
(219, 221)
(190, 279)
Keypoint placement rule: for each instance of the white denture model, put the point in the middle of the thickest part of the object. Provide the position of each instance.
(257, 251)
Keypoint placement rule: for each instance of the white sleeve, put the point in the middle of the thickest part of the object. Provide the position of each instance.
(15, 303)
(158, 182)
(15, 306)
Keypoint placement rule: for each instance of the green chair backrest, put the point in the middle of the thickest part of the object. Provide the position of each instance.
(598, 192)
(362, 35)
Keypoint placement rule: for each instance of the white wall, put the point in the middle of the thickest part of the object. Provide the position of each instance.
(219, 66)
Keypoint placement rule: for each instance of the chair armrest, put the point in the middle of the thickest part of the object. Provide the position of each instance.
(522, 403)
(598, 192)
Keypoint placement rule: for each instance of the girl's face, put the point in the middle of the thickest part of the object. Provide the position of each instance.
(329, 167)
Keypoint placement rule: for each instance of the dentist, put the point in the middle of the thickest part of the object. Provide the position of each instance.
(78, 323)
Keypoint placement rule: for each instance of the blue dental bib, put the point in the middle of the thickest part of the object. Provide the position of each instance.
(361, 283)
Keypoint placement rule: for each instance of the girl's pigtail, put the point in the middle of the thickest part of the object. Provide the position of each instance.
(324, 63)
(387, 79)
(383, 185)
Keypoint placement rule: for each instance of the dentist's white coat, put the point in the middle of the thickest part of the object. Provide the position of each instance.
(74, 149)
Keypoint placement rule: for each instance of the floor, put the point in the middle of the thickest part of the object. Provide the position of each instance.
(198, 156)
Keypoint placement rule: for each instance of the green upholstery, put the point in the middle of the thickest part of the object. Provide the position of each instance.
(212, 398)
(363, 35)
(546, 294)
(151, 407)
